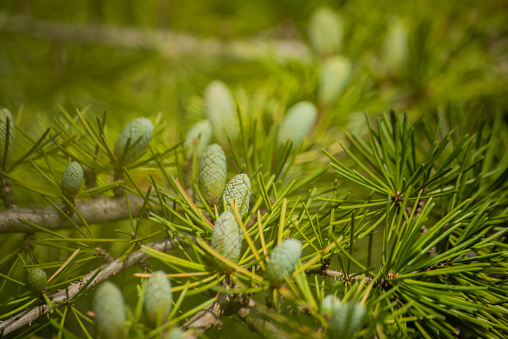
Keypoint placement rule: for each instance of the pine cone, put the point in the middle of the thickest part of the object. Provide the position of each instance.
(220, 110)
(328, 305)
(138, 129)
(346, 319)
(334, 76)
(198, 137)
(4, 115)
(325, 31)
(72, 179)
(298, 121)
(158, 298)
(237, 188)
(212, 173)
(283, 259)
(226, 240)
(37, 280)
(109, 308)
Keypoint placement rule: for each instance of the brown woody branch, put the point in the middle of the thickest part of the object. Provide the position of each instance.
(97, 210)
(64, 296)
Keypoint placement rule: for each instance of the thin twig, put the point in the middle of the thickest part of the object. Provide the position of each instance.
(63, 296)
(94, 211)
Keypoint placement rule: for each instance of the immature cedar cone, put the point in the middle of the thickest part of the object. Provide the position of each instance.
(220, 110)
(158, 298)
(346, 319)
(226, 240)
(297, 122)
(212, 173)
(109, 308)
(325, 31)
(37, 280)
(4, 115)
(328, 305)
(175, 333)
(138, 129)
(237, 188)
(72, 179)
(334, 75)
(283, 259)
(395, 47)
(198, 137)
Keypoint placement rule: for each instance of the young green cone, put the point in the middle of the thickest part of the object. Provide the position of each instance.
(226, 240)
(238, 189)
(283, 259)
(198, 137)
(395, 47)
(37, 280)
(6, 136)
(109, 308)
(328, 305)
(346, 319)
(158, 298)
(298, 121)
(325, 31)
(212, 173)
(220, 110)
(140, 132)
(334, 76)
(72, 179)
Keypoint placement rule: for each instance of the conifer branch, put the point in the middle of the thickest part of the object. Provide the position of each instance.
(170, 44)
(97, 210)
(67, 295)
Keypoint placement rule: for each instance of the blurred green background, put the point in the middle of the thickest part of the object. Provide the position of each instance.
(142, 57)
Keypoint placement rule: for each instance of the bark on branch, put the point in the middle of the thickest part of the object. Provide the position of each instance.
(169, 44)
(64, 296)
(97, 210)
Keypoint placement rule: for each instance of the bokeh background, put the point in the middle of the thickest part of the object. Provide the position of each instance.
(143, 57)
(155, 58)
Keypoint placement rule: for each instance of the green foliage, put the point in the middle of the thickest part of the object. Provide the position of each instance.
(337, 224)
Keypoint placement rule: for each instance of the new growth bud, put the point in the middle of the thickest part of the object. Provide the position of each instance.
(109, 308)
(325, 31)
(72, 179)
(37, 280)
(226, 240)
(158, 298)
(198, 137)
(6, 137)
(346, 319)
(334, 76)
(238, 189)
(283, 259)
(212, 173)
(140, 132)
(298, 121)
(220, 110)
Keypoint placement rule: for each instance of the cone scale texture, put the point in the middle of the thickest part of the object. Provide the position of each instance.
(212, 173)
(109, 308)
(72, 179)
(37, 280)
(237, 188)
(138, 129)
(226, 240)
(158, 298)
(283, 259)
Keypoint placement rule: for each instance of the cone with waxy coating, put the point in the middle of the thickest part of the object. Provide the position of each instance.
(346, 319)
(140, 132)
(283, 259)
(212, 173)
(6, 137)
(198, 137)
(72, 179)
(328, 305)
(220, 110)
(37, 280)
(325, 31)
(395, 47)
(158, 298)
(298, 121)
(226, 240)
(109, 308)
(238, 189)
(175, 333)
(334, 76)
